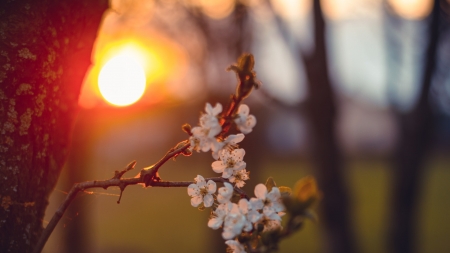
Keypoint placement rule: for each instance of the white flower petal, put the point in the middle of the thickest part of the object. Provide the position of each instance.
(274, 194)
(234, 138)
(227, 234)
(200, 181)
(208, 200)
(208, 108)
(215, 223)
(217, 109)
(244, 205)
(261, 191)
(218, 166)
(256, 203)
(238, 154)
(240, 166)
(254, 216)
(211, 186)
(227, 172)
(196, 200)
(243, 110)
(193, 190)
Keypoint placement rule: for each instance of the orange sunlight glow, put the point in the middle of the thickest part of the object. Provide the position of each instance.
(121, 59)
(122, 79)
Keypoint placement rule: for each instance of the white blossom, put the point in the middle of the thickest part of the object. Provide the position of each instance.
(218, 216)
(210, 119)
(229, 162)
(244, 121)
(204, 136)
(247, 209)
(234, 222)
(228, 144)
(269, 203)
(235, 246)
(270, 199)
(202, 191)
(225, 193)
(253, 214)
(238, 177)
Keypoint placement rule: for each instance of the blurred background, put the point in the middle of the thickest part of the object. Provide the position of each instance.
(355, 92)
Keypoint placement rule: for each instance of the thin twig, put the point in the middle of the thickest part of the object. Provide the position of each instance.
(149, 176)
(105, 184)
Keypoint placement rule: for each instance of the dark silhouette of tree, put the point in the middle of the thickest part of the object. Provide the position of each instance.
(415, 128)
(45, 51)
(321, 112)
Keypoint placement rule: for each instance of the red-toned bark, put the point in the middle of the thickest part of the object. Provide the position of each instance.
(45, 51)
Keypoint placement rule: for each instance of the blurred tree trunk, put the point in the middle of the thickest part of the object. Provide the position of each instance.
(45, 50)
(415, 129)
(321, 111)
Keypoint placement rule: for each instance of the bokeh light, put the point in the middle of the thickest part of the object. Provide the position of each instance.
(411, 9)
(122, 80)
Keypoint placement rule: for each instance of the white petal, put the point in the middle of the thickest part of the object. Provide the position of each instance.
(226, 191)
(215, 130)
(222, 199)
(227, 172)
(234, 138)
(251, 121)
(216, 145)
(217, 109)
(248, 226)
(257, 204)
(254, 216)
(240, 166)
(218, 166)
(196, 200)
(274, 194)
(211, 186)
(215, 223)
(244, 109)
(277, 206)
(193, 190)
(244, 205)
(208, 108)
(200, 181)
(227, 234)
(261, 191)
(208, 200)
(271, 214)
(238, 154)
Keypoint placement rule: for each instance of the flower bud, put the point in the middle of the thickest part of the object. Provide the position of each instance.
(187, 128)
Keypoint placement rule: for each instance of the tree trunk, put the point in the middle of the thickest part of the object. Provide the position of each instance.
(45, 50)
(415, 138)
(321, 109)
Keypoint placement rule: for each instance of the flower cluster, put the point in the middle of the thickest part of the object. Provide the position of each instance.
(261, 213)
(229, 157)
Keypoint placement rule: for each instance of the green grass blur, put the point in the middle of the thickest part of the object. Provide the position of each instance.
(162, 220)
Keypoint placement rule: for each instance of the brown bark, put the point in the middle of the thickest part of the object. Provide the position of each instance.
(45, 50)
(321, 109)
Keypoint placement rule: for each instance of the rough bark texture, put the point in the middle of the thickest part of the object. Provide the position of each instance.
(45, 50)
(321, 108)
(414, 144)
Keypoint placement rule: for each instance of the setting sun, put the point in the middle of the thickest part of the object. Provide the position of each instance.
(121, 80)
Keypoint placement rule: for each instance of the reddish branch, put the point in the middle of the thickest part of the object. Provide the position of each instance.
(149, 176)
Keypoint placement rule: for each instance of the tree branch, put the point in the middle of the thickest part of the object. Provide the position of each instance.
(105, 184)
(149, 175)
